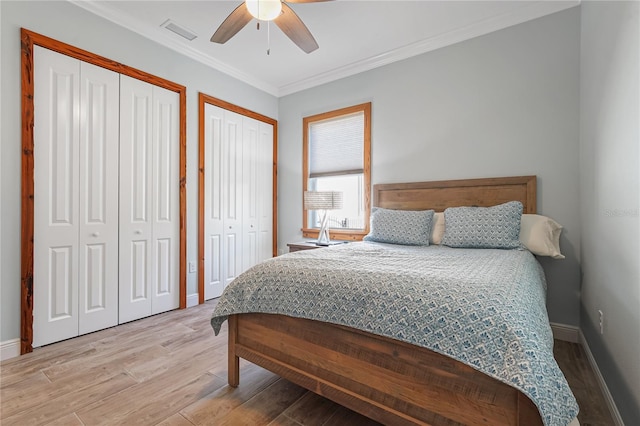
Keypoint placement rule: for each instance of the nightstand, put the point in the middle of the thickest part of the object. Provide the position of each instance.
(309, 245)
(302, 245)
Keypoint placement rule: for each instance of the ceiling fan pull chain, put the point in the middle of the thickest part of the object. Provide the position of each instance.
(268, 37)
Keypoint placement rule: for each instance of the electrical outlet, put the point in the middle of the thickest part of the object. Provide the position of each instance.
(601, 321)
(192, 267)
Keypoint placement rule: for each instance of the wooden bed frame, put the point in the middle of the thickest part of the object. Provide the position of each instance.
(392, 382)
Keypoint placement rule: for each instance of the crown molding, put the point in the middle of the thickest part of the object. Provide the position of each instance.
(527, 12)
(499, 22)
(151, 33)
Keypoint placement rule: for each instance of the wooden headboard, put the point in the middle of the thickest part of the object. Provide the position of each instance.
(438, 195)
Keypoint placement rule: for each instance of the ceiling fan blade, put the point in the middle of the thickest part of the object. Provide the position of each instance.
(295, 29)
(305, 1)
(234, 23)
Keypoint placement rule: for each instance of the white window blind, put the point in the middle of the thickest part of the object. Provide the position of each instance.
(336, 146)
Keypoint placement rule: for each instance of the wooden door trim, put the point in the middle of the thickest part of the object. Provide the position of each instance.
(28, 40)
(206, 99)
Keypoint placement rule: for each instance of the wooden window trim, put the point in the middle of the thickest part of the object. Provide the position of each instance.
(339, 234)
(28, 40)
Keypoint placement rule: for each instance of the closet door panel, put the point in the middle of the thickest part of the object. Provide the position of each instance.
(98, 239)
(136, 222)
(251, 187)
(232, 195)
(56, 197)
(213, 222)
(264, 199)
(165, 176)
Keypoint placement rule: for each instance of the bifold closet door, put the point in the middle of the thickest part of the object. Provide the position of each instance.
(149, 209)
(98, 261)
(165, 269)
(213, 225)
(75, 204)
(223, 199)
(257, 204)
(238, 201)
(232, 187)
(265, 192)
(250, 194)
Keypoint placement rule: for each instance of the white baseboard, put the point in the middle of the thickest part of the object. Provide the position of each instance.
(566, 333)
(192, 300)
(9, 349)
(617, 419)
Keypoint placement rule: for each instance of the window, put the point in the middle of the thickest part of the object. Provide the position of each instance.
(336, 157)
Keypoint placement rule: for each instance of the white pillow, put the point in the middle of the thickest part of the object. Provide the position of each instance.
(437, 228)
(541, 235)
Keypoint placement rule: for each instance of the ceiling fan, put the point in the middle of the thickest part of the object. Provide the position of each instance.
(268, 10)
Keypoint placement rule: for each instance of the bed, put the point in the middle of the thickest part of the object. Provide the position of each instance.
(392, 376)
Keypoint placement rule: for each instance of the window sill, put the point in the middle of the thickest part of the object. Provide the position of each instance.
(337, 234)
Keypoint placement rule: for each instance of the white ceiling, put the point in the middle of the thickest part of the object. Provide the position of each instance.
(354, 35)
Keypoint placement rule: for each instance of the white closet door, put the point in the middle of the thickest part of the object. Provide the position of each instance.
(106, 222)
(265, 192)
(98, 186)
(232, 196)
(237, 196)
(250, 195)
(56, 218)
(213, 224)
(136, 221)
(165, 273)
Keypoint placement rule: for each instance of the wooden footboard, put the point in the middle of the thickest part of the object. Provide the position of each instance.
(389, 381)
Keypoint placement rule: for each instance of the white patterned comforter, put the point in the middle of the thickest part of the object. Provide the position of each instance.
(483, 307)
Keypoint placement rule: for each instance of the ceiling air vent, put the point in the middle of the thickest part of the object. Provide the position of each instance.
(178, 29)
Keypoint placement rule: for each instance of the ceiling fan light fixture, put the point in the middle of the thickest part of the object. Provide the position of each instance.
(268, 10)
(264, 10)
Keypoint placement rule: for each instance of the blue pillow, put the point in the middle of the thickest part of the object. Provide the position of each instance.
(406, 227)
(483, 227)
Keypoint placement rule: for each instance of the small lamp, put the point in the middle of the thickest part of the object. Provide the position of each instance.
(323, 201)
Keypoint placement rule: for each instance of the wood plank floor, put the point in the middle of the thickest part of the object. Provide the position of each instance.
(170, 370)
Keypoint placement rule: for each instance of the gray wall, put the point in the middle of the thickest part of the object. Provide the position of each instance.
(499, 105)
(68, 23)
(610, 195)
